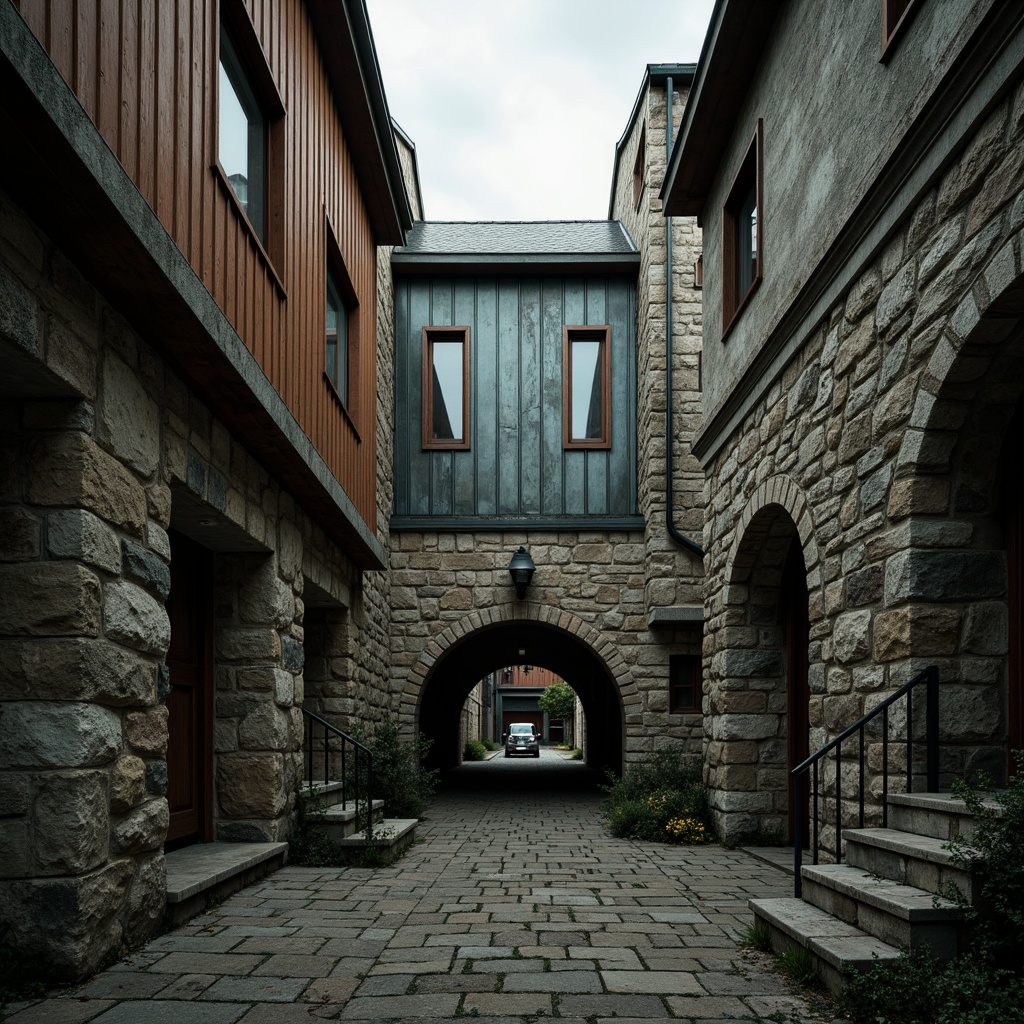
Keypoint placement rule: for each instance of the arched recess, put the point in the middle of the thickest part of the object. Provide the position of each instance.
(761, 710)
(960, 472)
(485, 641)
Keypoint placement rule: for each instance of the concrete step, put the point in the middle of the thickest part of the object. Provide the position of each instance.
(390, 836)
(206, 873)
(920, 861)
(898, 914)
(835, 945)
(341, 821)
(939, 815)
(328, 793)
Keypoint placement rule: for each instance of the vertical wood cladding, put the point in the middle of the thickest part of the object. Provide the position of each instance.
(147, 75)
(516, 464)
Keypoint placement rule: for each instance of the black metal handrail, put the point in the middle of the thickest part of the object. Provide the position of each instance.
(337, 743)
(929, 677)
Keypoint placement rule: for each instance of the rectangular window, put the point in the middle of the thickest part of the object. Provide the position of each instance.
(742, 249)
(248, 132)
(638, 167)
(341, 327)
(242, 137)
(686, 692)
(446, 387)
(586, 387)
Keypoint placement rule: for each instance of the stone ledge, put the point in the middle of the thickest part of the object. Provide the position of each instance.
(201, 875)
(675, 615)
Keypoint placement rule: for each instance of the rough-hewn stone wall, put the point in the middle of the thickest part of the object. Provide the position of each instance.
(878, 447)
(90, 485)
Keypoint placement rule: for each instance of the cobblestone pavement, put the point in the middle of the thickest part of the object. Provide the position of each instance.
(515, 905)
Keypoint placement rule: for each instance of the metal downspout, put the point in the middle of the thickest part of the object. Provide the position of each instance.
(679, 538)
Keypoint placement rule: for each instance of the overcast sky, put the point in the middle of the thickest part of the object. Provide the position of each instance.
(515, 106)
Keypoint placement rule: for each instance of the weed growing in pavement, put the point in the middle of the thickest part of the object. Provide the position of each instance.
(758, 936)
(797, 965)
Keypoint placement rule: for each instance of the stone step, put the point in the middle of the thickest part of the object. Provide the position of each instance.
(341, 820)
(391, 836)
(939, 815)
(327, 793)
(206, 873)
(835, 945)
(920, 861)
(898, 914)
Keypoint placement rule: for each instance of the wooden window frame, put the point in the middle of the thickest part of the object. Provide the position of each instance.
(749, 174)
(268, 238)
(675, 662)
(602, 333)
(336, 270)
(639, 167)
(430, 335)
(896, 16)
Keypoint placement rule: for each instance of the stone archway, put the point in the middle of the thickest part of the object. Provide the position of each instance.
(957, 490)
(762, 713)
(492, 638)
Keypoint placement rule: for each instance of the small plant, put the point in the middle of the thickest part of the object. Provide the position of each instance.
(310, 844)
(399, 778)
(758, 936)
(489, 743)
(474, 750)
(797, 965)
(577, 754)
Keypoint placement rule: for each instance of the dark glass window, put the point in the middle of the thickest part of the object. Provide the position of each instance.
(685, 688)
(742, 225)
(337, 360)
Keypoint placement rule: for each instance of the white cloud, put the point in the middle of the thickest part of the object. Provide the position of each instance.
(515, 106)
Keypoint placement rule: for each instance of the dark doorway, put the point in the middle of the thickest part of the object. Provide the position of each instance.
(492, 648)
(1013, 520)
(796, 637)
(190, 704)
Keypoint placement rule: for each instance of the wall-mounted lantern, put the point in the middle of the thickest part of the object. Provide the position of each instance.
(521, 569)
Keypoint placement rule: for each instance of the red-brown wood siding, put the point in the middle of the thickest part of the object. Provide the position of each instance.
(146, 74)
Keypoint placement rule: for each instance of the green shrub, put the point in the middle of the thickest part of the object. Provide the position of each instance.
(474, 750)
(310, 845)
(399, 778)
(650, 795)
(489, 744)
(577, 754)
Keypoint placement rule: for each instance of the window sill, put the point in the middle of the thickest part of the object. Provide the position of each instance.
(755, 284)
(261, 252)
(349, 418)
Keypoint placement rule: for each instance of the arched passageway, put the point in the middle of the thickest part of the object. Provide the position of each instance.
(521, 642)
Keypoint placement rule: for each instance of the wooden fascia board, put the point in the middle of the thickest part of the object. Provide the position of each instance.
(721, 83)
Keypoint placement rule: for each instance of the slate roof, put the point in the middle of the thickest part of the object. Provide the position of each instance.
(481, 243)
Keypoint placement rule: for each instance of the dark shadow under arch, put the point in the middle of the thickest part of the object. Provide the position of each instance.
(492, 647)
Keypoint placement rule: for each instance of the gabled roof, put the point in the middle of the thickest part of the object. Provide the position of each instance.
(732, 50)
(507, 245)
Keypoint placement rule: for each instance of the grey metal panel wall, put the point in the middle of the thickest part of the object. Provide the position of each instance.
(515, 465)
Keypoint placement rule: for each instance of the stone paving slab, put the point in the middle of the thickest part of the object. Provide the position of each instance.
(516, 906)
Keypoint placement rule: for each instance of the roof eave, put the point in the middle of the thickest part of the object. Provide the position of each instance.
(513, 263)
(352, 69)
(736, 39)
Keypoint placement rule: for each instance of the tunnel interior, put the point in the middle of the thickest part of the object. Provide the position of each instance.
(494, 647)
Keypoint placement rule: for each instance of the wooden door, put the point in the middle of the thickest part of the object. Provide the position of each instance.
(190, 704)
(796, 627)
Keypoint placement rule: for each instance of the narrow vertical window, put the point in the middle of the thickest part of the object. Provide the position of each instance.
(685, 690)
(638, 167)
(446, 387)
(586, 387)
(341, 328)
(337, 339)
(242, 137)
(742, 220)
